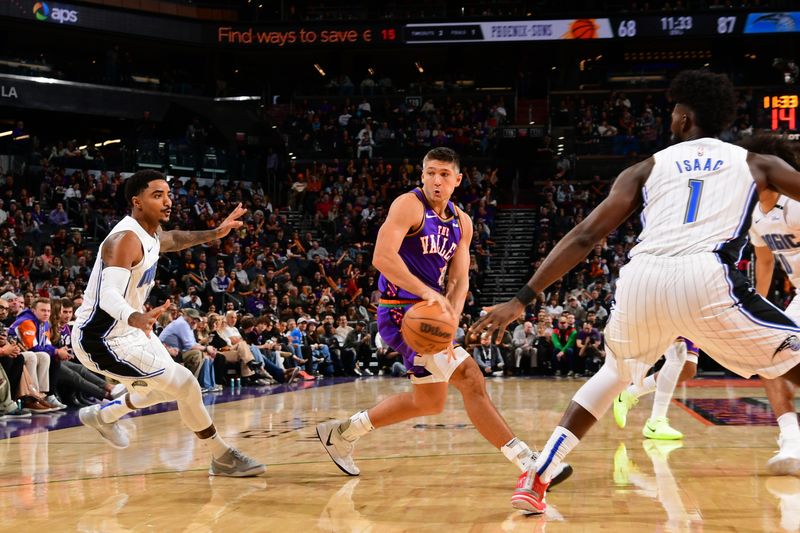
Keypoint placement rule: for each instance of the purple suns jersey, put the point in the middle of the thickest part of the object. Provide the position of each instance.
(427, 251)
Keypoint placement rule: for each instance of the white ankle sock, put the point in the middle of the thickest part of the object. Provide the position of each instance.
(518, 453)
(560, 443)
(113, 411)
(358, 426)
(790, 429)
(648, 386)
(216, 445)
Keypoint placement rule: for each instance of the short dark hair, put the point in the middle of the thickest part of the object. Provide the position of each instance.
(66, 303)
(247, 322)
(447, 155)
(776, 145)
(139, 182)
(709, 95)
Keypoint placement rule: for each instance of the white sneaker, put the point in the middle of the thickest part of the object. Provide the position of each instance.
(340, 450)
(118, 390)
(52, 400)
(786, 461)
(114, 434)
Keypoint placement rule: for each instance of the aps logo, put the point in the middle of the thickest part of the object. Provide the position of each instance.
(42, 12)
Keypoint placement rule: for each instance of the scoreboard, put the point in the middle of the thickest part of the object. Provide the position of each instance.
(670, 26)
(677, 26)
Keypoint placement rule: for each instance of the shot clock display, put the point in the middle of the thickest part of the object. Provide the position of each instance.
(780, 111)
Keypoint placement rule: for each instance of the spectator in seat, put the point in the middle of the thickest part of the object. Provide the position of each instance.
(12, 363)
(234, 352)
(32, 331)
(320, 351)
(77, 385)
(588, 344)
(179, 339)
(488, 357)
(250, 330)
(357, 345)
(524, 349)
(58, 216)
(564, 356)
(13, 308)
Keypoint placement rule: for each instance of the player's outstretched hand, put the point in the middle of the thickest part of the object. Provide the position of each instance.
(145, 321)
(436, 298)
(231, 221)
(496, 319)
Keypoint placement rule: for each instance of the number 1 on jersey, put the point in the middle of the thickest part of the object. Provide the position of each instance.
(695, 191)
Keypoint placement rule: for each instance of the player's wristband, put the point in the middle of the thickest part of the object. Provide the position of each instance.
(525, 295)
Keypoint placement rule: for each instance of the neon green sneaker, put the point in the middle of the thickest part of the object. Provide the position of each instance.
(659, 429)
(623, 466)
(624, 402)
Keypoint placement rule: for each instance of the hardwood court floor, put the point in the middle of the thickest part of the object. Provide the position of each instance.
(433, 474)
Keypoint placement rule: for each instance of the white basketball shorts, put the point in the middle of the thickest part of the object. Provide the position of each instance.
(440, 365)
(703, 299)
(130, 357)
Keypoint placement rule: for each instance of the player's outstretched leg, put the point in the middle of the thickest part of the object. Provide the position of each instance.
(587, 406)
(339, 436)
(469, 381)
(176, 383)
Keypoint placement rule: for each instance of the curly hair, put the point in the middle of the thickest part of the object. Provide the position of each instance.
(709, 95)
(772, 145)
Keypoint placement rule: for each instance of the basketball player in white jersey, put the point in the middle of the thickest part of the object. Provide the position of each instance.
(774, 232)
(113, 335)
(697, 197)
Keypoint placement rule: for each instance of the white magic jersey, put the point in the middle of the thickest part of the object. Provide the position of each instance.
(779, 230)
(698, 198)
(90, 318)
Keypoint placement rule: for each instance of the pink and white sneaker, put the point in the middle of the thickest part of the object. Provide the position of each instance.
(530, 492)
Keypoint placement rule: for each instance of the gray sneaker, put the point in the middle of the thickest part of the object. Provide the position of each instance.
(114, 434)
(235, 464)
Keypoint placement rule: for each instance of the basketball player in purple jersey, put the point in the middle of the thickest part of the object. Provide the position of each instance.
(422, 252)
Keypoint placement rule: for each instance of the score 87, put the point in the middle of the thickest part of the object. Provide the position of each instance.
(626, 28)
(725, 24)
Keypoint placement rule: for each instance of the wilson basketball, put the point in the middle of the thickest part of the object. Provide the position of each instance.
(426, 329)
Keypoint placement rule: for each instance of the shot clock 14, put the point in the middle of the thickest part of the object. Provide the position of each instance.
(783, 111)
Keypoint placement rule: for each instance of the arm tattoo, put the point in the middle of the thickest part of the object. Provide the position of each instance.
(172, 241)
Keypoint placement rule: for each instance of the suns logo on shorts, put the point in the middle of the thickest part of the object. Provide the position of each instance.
(791, 342)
